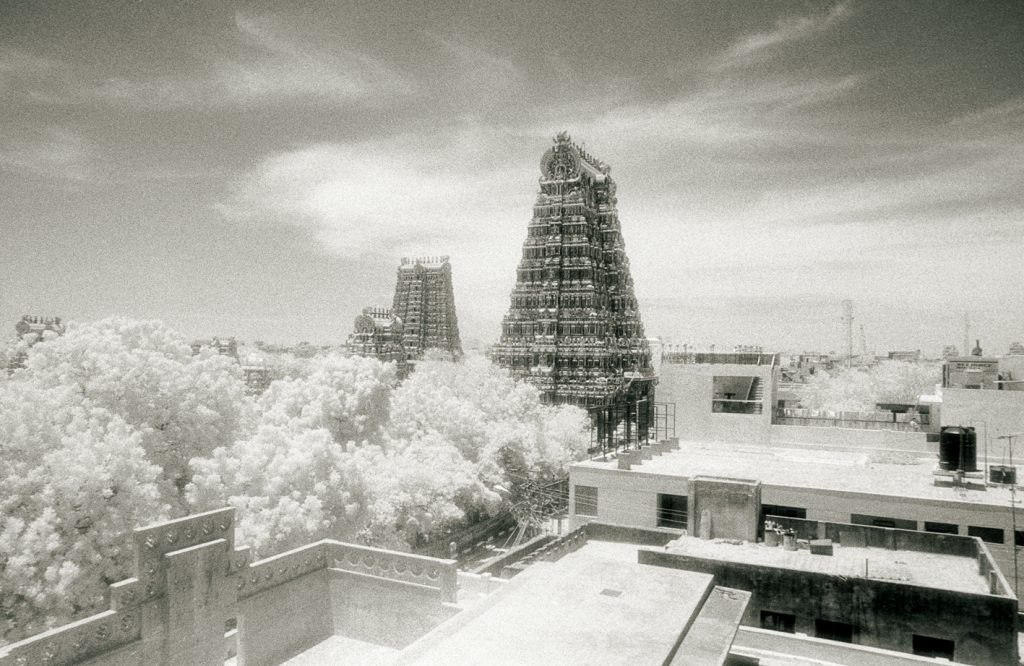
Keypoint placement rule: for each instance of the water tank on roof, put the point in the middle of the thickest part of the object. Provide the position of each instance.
(958, 449)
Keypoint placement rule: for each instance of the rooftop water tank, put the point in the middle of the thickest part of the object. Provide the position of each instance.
(958, 449)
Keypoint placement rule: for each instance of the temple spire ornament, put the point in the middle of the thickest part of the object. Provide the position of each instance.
(573, 329)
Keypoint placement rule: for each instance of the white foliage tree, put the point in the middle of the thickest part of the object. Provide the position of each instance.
(497, 424)
(859, 389)
(297, 478)
(74, 482)
(289, 486)
(346, 395)
(183, 405)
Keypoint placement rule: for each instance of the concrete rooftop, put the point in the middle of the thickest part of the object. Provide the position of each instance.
(592, 606)
(893, 473)
(948, 572)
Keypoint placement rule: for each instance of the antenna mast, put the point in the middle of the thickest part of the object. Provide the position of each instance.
(848, 322)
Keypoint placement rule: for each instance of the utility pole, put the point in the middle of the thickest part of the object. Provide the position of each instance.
(967, 336)
(1013, 508)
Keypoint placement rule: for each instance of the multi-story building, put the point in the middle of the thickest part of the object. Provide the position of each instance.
(378, 333)
(425, 303)
(573, 329)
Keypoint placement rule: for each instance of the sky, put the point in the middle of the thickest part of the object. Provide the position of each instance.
(258, 170)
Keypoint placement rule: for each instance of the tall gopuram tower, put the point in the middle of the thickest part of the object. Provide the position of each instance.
(573, 329)
(425, 303)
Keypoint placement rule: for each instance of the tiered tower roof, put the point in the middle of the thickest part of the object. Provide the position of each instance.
(573, 328)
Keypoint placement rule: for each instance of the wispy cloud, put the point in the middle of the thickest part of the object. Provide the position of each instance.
(53, 153)
(786, 30)
(262, 62)
(406, 192)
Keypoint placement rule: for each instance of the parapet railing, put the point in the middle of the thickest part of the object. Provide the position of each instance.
(392, 565)
(177, 559)
(735, 358)
(905, 422)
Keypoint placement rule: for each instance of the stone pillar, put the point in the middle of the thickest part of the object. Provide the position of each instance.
(200, 598)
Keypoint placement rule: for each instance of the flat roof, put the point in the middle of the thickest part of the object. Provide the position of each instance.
(592, 606)
(947, 572)
(893, 473)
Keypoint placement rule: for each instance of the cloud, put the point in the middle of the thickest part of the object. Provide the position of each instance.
(53, 153)
(787, 30)
(264, 63)
(402, 194)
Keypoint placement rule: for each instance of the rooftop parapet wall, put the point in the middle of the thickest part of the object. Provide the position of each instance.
(190, 579)
(883, 613)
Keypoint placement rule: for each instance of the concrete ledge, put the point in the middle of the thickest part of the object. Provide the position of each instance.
(757, 643)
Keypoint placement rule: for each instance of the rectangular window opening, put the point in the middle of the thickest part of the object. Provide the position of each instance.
(586, 500)
(883, 521)
(986, 534)
(941, 528)
(736, 395)
(833, 631)
(778, 621)
(672, 511)
(784, 511)
(928, 646)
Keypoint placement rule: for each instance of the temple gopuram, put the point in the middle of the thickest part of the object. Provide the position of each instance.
(573, 329)
(378, 333)
(425, 303)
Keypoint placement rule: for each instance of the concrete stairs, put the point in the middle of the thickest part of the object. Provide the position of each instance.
(627, 459)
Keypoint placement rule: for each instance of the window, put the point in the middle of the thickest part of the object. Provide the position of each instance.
(883, 521)
(672, 511)
(941, 528)
(778, 621)
(987, 534)
(784, 511)
(736, 395)
(586, 500)
(833, 631)
(1018, 538)
(926, 646)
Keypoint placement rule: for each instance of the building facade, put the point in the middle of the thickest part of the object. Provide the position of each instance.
(425, 303)
(573, 328)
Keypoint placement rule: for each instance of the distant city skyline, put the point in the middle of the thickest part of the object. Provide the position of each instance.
(241, 170)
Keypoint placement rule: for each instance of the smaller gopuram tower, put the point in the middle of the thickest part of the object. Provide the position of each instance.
(573, 329)
(378, 333)
(425, 303)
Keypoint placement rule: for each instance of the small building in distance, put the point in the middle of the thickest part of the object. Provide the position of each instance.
(379, 334)
(31, 329)
(257, 377)
(424, 302)
(907, 356)
(223, 346)
(38, 325)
